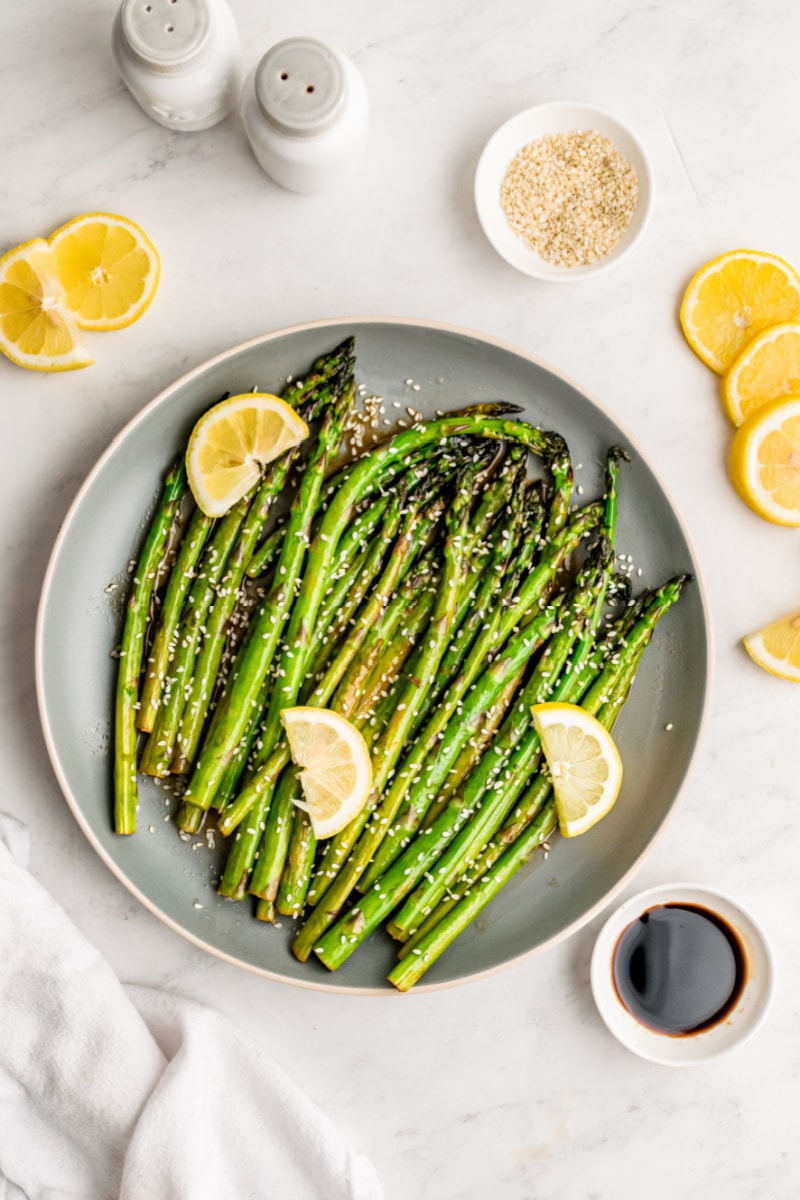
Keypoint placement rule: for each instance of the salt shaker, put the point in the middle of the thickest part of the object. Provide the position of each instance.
(304, 108)
(180, 59)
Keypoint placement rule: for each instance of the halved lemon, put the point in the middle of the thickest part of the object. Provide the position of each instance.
(37, 328)
(232, 441)
(765, 461)
(108, 267)
(776, 647)
(767, 368)
(734, 297)
(336, 775)
(583, 761)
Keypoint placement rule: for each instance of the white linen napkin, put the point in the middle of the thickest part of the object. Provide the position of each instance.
(110, 1091)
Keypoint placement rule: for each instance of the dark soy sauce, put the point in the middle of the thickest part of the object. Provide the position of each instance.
(679, 968)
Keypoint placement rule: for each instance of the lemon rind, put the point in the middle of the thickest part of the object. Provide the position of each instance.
(690, 295)
(78, 357)
(104, 324)
(730, 401)
(743, 462)
(207, 503)
(575, 827)
(754, 645)
(356, 800)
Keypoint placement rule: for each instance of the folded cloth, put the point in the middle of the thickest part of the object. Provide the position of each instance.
(110, 1091)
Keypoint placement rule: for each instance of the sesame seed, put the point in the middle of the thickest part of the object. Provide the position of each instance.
(570, 196)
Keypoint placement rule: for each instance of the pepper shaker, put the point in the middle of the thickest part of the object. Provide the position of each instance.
(305, 109)
(180, 59)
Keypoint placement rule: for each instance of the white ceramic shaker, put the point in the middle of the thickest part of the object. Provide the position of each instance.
(180, 59)
(305, 110)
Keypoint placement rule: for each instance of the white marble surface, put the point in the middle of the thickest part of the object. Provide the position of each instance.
(509, 1087)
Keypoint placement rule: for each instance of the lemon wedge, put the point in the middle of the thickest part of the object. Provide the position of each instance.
(583, 761)
(767, 368)
(765, 461)
(776, 647)
(37, 328)
(108, 267)
(734, 297)
(232, 441)
(336, 775)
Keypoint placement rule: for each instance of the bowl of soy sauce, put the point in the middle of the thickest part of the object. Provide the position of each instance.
(681, 974)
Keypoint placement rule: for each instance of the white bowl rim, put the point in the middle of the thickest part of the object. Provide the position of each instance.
(692, 1050)
(564, 274)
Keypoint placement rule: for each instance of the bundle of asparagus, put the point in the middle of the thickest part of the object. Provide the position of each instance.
(424, 592)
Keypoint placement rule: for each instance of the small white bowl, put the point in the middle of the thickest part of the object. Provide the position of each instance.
(525, 127)
(687, 1049)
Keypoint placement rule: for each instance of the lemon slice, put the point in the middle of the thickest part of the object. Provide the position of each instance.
(232, 441)
(336, 774)
(776, 647)
(767, 368)
(37, 329)
(765, 461)
(108, 267)
(734, 297)
(583, 761)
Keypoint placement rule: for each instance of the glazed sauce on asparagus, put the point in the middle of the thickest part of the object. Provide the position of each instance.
(679, 969)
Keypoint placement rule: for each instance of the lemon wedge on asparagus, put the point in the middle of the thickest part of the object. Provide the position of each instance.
(336, 774)
(233, 441)
(583, 762)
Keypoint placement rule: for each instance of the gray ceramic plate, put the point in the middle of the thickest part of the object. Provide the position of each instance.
(79, 624)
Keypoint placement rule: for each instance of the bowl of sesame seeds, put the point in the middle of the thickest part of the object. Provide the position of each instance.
(563, 190)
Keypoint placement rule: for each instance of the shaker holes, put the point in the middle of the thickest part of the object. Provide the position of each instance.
(284, 75)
